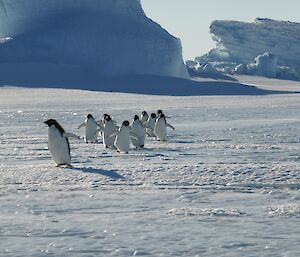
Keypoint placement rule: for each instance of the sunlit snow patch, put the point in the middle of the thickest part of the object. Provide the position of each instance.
(194, 211)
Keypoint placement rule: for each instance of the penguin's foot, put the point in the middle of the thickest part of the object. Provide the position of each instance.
(64, 165)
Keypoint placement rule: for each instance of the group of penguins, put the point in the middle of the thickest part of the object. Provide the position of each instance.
(120, 138)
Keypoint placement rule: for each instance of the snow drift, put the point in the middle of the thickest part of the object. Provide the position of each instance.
(274, 43)
(107, 37)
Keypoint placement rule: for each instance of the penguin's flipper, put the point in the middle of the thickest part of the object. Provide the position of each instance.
(170, 126)
(134, 136)
(113, 134)
(81, 125)
(68, 135)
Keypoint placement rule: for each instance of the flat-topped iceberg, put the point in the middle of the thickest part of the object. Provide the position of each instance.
(107, 38)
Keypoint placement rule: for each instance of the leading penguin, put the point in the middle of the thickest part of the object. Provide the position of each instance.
(91, 129)
(58, 143)
(160, 128)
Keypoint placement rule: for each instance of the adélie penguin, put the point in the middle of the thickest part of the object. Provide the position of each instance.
(91, 129)
(160, 128)
(101, 122)
(138, 130)
(107, 129)
(58, 143)
(150, 125)
(144, 117)
(122, 137)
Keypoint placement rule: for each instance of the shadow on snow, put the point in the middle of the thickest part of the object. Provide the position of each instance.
(108, 173)
(72, 77)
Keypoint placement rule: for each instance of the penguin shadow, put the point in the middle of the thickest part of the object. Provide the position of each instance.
(183, 141)
(108, 173)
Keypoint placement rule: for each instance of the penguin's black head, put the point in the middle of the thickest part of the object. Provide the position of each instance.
(162, 116)
(153, 115)
(107, 118)
(90, 116)
(104, 115)
(51, 122)
(136, 117)
(125, 123)
(144, 113)
(159, 112)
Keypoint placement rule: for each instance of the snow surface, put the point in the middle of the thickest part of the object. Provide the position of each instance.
(84, 38)
(240, 43)
(226, 183)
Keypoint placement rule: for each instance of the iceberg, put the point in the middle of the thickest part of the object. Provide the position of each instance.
(264, 47)
(69, 37)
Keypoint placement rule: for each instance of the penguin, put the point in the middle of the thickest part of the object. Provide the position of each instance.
(91, 129)
(101, 122)
(160, 128)
(144, 117)
(150, 125)
(108, 128)
(122, 138)
(58, 143)
(138, 129)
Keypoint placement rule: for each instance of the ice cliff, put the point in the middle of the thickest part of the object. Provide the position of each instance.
(251, 43)
(107, 37)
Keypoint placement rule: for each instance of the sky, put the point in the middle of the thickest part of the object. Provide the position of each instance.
(189, 20)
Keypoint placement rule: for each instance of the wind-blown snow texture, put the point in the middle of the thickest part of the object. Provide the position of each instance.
(242, 43)
(107, 37)
(225, 184)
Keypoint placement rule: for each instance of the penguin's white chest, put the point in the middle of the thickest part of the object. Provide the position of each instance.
(139, 131)
(160, 130)
(122, 142)
(109, 128)
(58, 146)
(144, 119)
(150, 129)
(91, 130)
